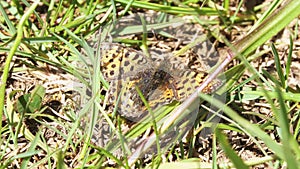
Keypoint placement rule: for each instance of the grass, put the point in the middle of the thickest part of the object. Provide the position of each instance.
(47, 39)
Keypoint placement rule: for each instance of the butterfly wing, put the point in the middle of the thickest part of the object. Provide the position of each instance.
(124, 68)
(118, 62)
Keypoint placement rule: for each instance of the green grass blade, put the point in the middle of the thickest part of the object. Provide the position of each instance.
(11, 28)
(269, 27)
(10, 55)
(31, 149)
(295, 97)
(278, 66)
(252, 129)
(281, 114)
(236, 160)
(289, 60)
(171, 9)
(274, 5)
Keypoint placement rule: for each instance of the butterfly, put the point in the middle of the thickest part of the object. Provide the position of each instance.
(160, 80)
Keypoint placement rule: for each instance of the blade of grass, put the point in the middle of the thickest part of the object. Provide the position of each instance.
(236, 160)
(20, 156)
(12, 30)
(286, 137)
(214, 152)
(10, 55)
(55, 14)
(31, 149)
(43, 58)
(253, 129)
(171, 9)
(271, 78)
(77, 22)
(275, 4)
(278, 66)
(269, 27)
(289, 61)
(295, 97)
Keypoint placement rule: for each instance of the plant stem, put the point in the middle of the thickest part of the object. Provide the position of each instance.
(10, 56)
